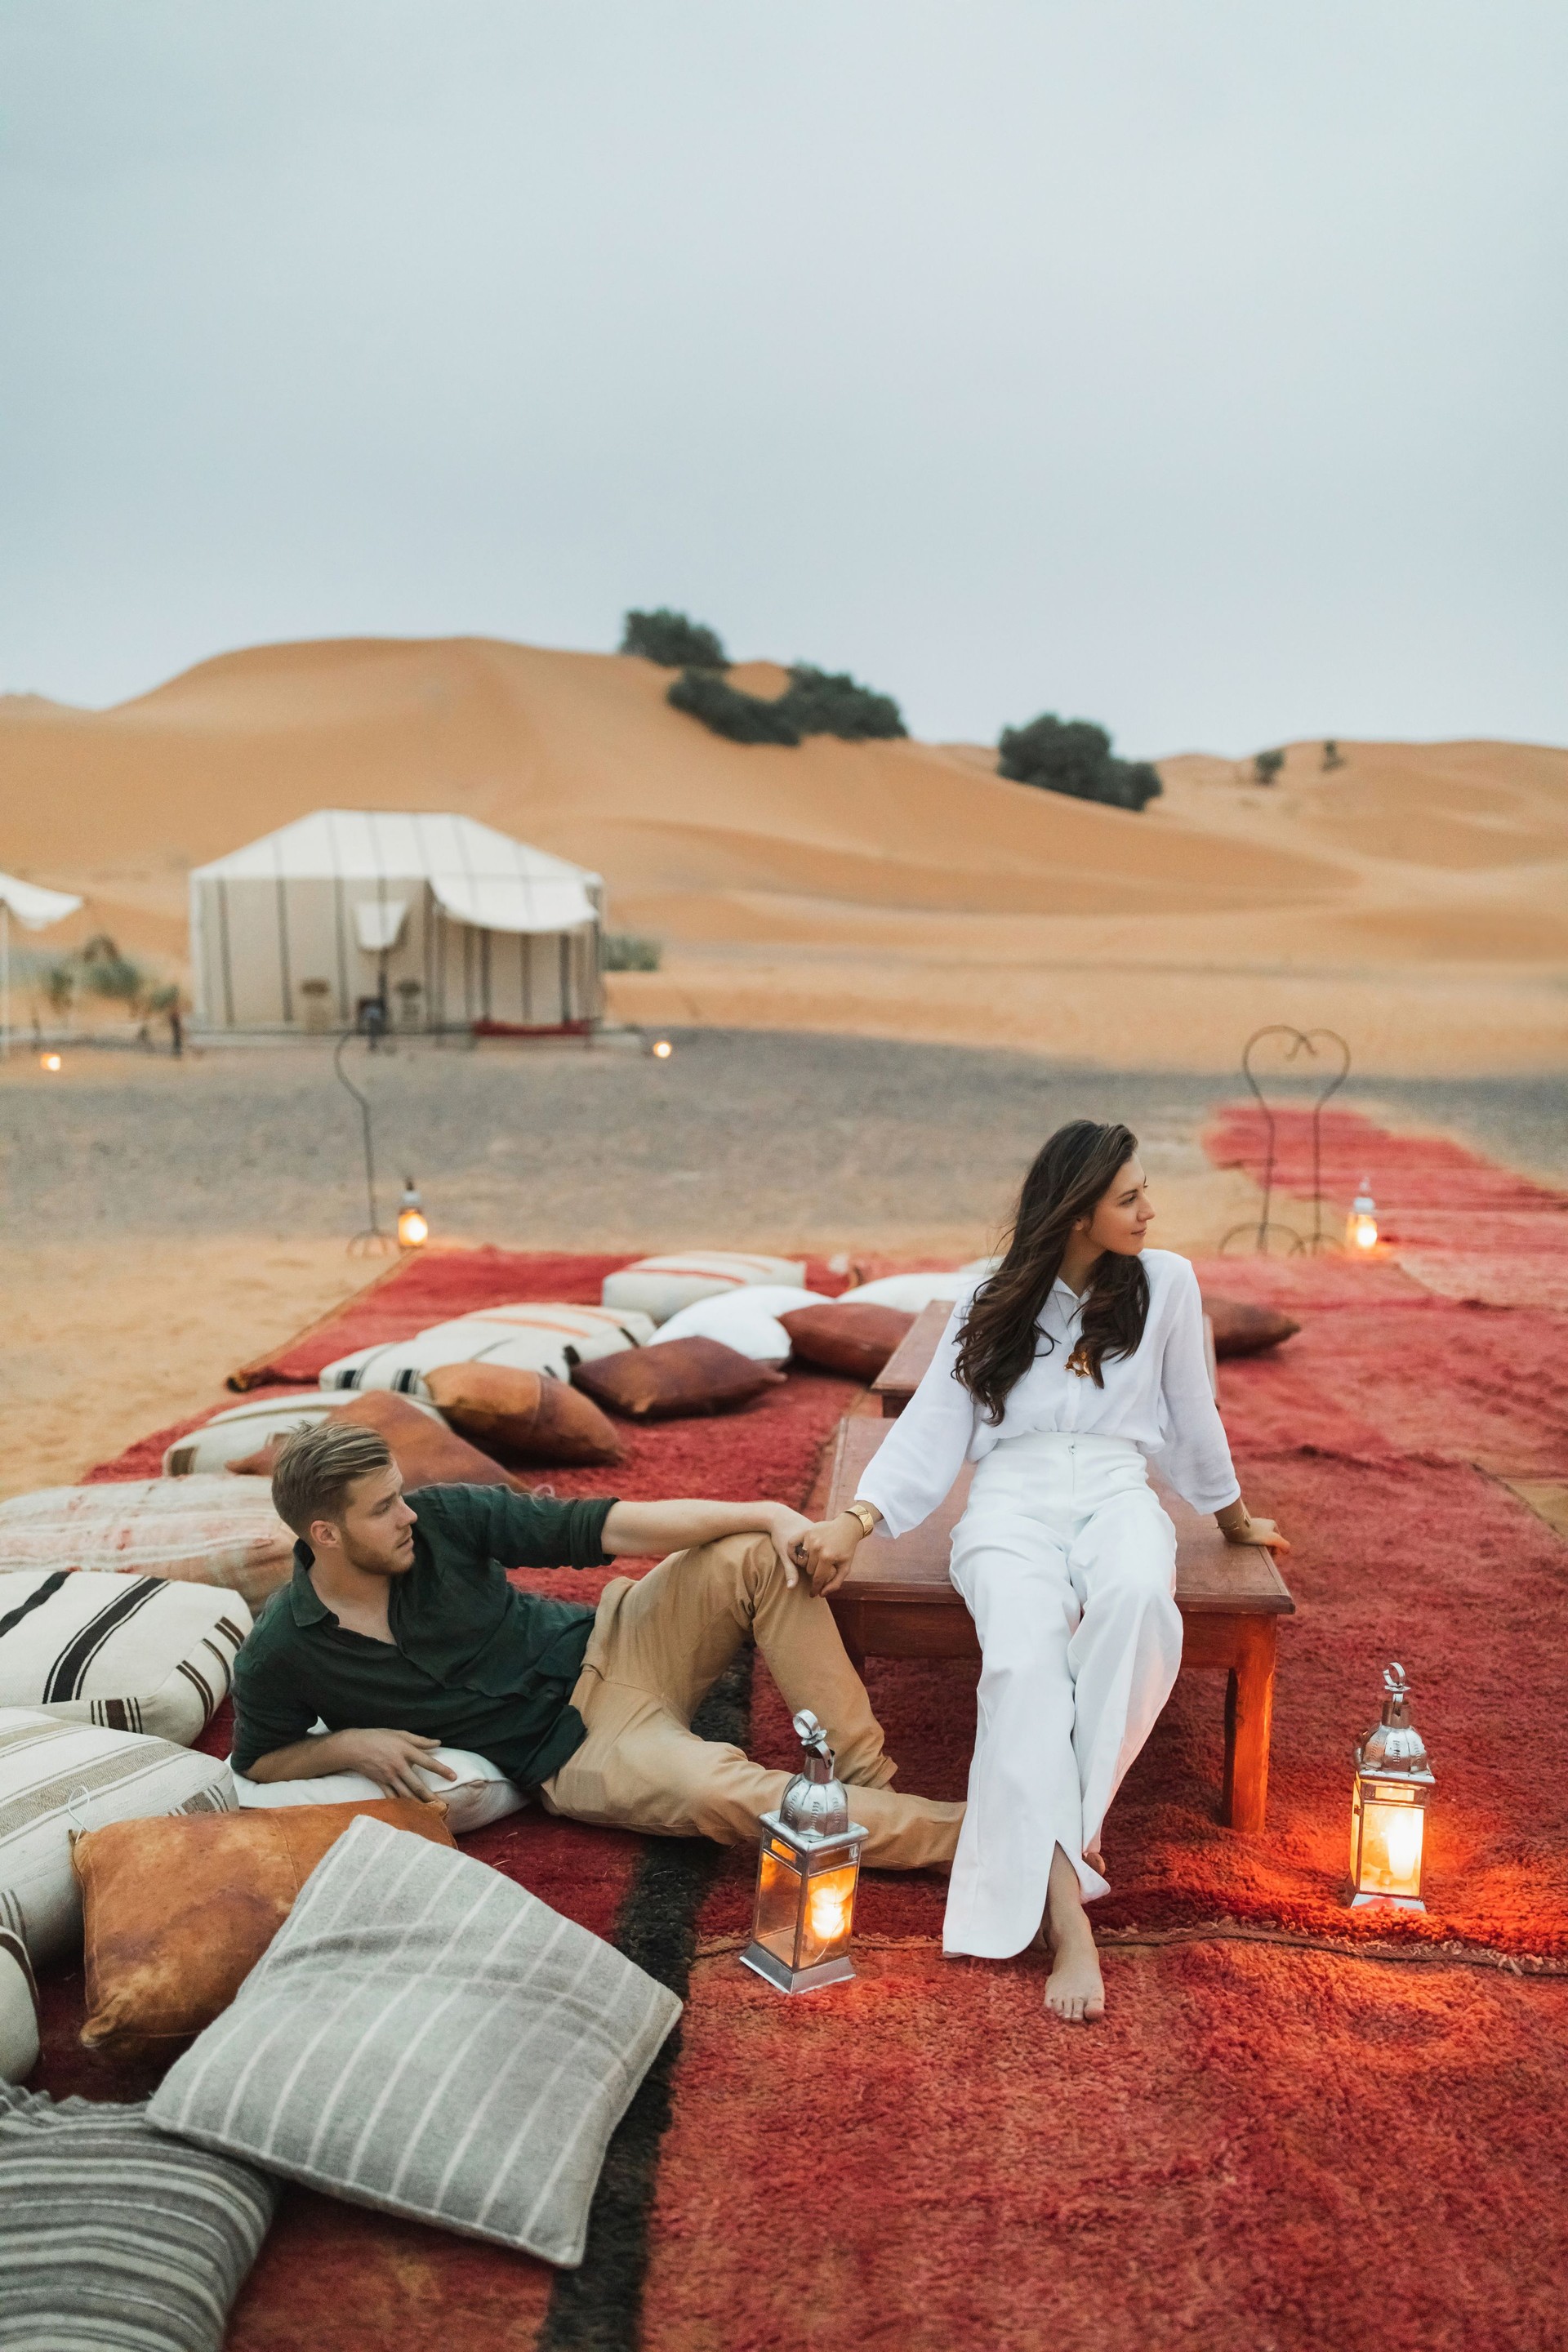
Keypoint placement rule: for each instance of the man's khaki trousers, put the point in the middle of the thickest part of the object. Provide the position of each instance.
(658, 1647)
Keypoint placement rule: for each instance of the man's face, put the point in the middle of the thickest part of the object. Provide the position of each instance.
(375, 1533)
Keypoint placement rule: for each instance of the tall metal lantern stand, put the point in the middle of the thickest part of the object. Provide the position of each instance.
(807, 1870)
(1388, 1808)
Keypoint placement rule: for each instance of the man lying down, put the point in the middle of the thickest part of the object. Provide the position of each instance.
(400, 1632)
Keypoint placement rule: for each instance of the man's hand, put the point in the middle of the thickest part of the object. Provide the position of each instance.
(395, 1760)
(827, 1553)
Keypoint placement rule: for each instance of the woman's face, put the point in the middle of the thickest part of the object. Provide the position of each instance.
(1122, 1214)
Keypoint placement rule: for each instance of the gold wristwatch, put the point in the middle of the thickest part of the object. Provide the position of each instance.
(865, 1514)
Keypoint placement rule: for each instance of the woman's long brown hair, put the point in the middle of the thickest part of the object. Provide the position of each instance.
(1000, 1339)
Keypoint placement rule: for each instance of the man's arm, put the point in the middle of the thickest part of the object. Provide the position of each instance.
(392, 1760)
(638, 1528)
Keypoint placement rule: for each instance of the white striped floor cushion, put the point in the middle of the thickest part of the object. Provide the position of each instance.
(243, 1429)
(55, 1777)
(114, 2238)
(132, 1652)
(480, 1794)
(217, 1529)
(661, 1287)
(18, 1997)
(746, 1320)
(424, 2036)
(534, 1336)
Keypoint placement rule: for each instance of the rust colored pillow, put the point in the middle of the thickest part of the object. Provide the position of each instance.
(848, 1339)
(520, 1416)
(679, 1376)
(1242, 1330)
(178, 1910)
(428, 1453)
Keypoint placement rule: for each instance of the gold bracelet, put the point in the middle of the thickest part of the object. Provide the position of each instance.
(865, 1514)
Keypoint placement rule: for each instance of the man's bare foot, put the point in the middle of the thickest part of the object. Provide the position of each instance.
(1075, 1990)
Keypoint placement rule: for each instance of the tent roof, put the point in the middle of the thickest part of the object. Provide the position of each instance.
(35, 906)
(480, 876)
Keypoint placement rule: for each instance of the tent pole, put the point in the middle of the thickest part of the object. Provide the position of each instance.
(5, 981)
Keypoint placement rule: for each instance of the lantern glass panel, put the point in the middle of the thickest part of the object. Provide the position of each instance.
(830, 1914)
(1393, 1831)
(778, 1905)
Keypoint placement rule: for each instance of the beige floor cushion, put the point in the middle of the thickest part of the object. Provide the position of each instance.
(535, 1335)
(243, 1430)
(480, 1794)
(114, 2238)
(132, 1652)
(661, 1287)
(18, 1997)
(55, 1777)
(744, 1320)
(209, 1529)
(426, 2037)
(912, 1292)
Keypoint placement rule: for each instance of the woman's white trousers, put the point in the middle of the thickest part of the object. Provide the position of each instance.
(1068, 1566)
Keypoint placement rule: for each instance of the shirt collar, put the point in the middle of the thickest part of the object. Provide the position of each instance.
(304, 1600)
(1074, 1298)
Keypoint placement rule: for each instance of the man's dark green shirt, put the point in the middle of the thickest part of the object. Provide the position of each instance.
(472, 1662)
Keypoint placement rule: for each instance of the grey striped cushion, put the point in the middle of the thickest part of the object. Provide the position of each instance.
(113, 2238)
(426, 2037)
(18, 1995)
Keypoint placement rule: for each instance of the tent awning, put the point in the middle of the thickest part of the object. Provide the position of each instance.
(508, 902)
(34, 907)
(378, 923)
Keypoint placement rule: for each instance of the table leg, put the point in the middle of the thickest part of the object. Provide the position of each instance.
(1248, 1721)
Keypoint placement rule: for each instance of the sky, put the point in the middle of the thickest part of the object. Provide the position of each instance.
(1196, 366)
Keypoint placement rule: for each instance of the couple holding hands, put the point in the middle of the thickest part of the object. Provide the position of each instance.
(1060, 1376)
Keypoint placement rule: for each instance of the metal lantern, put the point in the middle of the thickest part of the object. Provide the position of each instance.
(1361, 1225)
(413, 1224)
(1388, 1808)
(807, 1869)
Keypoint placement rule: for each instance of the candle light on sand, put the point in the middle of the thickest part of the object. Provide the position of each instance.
(808, 1871)
(413, 1225)
(1361, 1225)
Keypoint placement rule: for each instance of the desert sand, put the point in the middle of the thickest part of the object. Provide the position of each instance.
(1416, 897)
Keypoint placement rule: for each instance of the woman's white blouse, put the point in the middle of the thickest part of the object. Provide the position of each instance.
(1159, 1397)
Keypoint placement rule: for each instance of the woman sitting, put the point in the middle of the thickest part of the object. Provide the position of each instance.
(1059, 1376)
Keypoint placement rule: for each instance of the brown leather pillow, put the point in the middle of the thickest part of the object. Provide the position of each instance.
(426, 1452)
(179, 1910)
(846, 1339)
(682, 1376)
(1243, 1330)
(520, 1416)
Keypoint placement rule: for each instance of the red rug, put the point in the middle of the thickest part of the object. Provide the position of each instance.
(1265, 2148)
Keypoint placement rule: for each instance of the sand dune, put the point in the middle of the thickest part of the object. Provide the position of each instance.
(905, 887)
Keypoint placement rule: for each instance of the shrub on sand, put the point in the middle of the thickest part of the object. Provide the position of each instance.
(1074, 756)
(625, 951)
(673, 641)
(814, 702)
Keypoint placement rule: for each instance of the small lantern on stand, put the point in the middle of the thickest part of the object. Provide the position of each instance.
(1388, 1808)
(413, 1224)
(1361, 1225)
(807, 1873)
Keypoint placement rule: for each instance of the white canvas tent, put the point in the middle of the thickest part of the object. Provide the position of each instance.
(443, 921)
(37, 909)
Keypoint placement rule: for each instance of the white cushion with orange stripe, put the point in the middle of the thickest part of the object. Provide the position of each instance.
(532, 1336)
(660, 1286)
(127, 1653)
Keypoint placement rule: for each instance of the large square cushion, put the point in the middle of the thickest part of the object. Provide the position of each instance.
(426, 2037)
(177, 1912)
(681, 1377)
(114, 2238)
(206, 1529)
(130, 1653)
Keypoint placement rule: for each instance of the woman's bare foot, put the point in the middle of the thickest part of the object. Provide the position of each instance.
(1075, 1990)
(1095, 1859)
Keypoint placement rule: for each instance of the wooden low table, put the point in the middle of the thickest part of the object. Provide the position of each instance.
(897, 1602)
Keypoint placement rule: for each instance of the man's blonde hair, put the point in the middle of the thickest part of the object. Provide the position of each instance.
(317, 1465)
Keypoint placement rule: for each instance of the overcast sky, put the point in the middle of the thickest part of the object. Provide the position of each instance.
(1195, 365)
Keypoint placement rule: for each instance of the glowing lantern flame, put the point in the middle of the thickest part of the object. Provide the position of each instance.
(662, 1049)
(413, 1225)
(1361, 1225)
(49, 1061)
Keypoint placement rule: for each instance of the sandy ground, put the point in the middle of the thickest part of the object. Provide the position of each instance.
(1413, 896)
(163, 1221)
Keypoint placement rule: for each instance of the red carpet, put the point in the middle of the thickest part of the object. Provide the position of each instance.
(1265, 2147)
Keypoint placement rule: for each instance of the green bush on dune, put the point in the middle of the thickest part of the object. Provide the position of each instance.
(814, 702)
(673, 641)
(1074, 756)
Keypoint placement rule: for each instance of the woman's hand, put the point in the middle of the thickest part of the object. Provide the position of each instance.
(827, 1553)
(1248, 1531)
(787, 1529)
